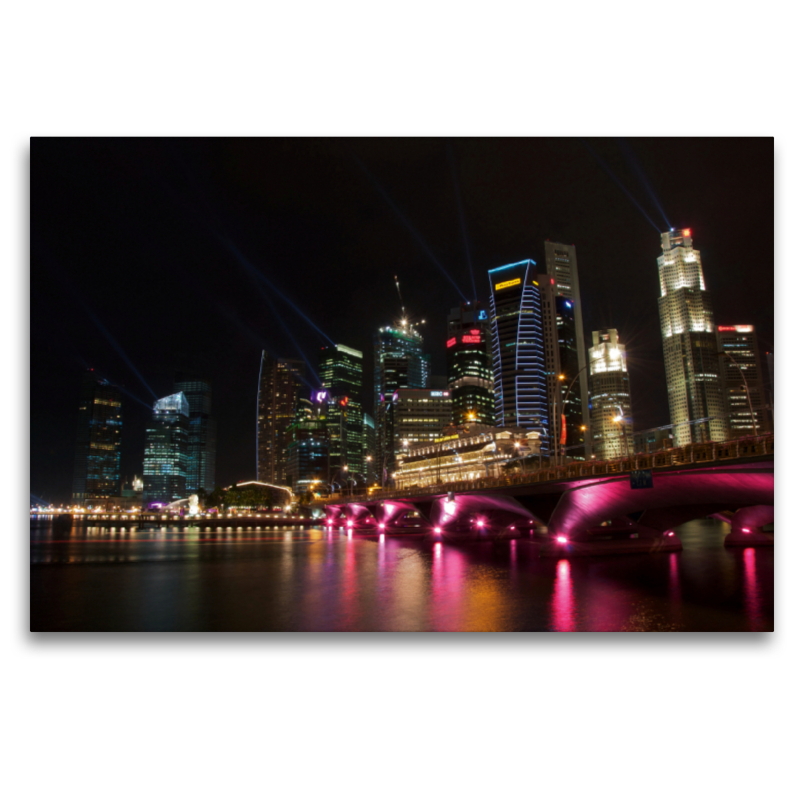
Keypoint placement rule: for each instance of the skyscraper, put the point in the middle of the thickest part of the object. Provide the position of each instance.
(370, 449)
(278, 392)
(399, 364)
(202, 432)
(520, 388)
(420, 416)
(307, 459)
(97, 451)
(469, 364)
(690, 346)
(740, 344)
(341, 372)
(166, 454)
(562, 267)
(611, 423)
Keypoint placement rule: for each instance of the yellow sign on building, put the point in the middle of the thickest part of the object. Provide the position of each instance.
(506, 284)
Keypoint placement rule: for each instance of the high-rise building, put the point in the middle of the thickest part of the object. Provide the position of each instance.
(341, 372)
(562, 268)
(770, 372)
(611, 423)
(420, 416)
(399, 364)
(740, 345)
(201, 472)
(518, 365)
(97, 451)
(370, 449)
(690, 346)
(166, 454)
(278, 392)
(469, 364)
(307, 459)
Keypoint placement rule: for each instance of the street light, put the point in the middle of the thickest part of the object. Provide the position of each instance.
(621, 419)
(563, 405)
(746, 389)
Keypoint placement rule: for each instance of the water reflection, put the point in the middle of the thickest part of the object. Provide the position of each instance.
(563, 603)
(752, 598)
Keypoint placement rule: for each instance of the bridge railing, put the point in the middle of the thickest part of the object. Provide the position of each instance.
(696, 453)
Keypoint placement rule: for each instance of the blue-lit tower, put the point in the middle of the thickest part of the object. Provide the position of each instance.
(518, 362)
(166, 455)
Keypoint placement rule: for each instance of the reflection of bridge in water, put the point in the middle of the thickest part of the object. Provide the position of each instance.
(588, 506)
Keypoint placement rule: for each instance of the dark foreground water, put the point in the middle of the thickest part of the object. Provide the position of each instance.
(95, 579)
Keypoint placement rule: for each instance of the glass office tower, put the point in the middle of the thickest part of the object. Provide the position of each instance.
(202, 432)
(690, 346)
(279, 389)
(166, 455)
(307, 459)
(97, 451)
(520, 389)
(469, 364)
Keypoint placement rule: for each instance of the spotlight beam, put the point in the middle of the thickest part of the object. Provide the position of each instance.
(633, 161)
(462, 220)
(408, 225)
(619, 183)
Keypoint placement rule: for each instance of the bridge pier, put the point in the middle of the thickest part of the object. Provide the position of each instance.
(746, 527)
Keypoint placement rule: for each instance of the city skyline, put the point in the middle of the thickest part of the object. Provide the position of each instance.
(344, 308)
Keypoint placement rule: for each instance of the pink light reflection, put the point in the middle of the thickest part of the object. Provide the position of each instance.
(752, 594)
(562, 606)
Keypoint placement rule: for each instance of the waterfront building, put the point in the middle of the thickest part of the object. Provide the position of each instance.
(399, 364)
(201, 472)
(279, 389)
(166, 454)
(464, 453)
(469, 364)
(609, 386)
(420, 416)
(567, 344)
(690, 347)
(307, 463)
(740, 343)
(518, 364)
(96, 477)
(341, 372)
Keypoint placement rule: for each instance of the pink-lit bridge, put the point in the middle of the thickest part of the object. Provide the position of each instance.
(586, 507)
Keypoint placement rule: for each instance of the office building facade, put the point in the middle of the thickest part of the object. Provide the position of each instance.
(370, 450)
(696, 404)
(518, 363)
(307, 462)
(279, 388)
(420, 416)
(562, 268)
(609, 385)
(96, 476)
(740, 345)
(469, 364)
(166, 455)
(201, 473)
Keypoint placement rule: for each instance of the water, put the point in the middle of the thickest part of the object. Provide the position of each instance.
(164, 579)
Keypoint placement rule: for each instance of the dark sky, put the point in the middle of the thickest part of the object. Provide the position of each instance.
(134, 242)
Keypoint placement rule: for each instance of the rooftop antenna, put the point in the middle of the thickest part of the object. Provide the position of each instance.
(402, 307)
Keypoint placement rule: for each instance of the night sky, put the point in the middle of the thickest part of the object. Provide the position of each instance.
(145, 256)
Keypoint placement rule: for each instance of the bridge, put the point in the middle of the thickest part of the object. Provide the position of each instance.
(586, 507)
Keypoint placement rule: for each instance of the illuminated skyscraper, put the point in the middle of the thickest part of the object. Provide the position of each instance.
(202, 432)
(279, 388)
(741, 344)
(611, 422)
(569, 356)
(399, 364)
(690, 346)
(97, 451)
(420, 416)
(307, 459)
(520, 388)
(469, 364)
(341, 372)
(370, 449)
(166, 454)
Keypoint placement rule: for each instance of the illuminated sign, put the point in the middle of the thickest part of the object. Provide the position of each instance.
(446, 438)
(451, 342)
(736, 328)
(321, 396)
(343, 402)
(475, 333)
(686, 232)
(471, 339)
(507, 284)
(440, 394)
(481, 315)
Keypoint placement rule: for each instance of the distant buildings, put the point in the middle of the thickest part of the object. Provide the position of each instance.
(279, 383)
(341, 372)
(469, 364)
(740, 346)
(609, 385)
(97, 452)
(399, 364)
(166, 455)
(307, 463)
(201, 472)
(566, 352)
(689, 339)
(520, 388)
(370, 449)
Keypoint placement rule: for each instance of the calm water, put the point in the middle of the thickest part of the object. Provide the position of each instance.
(94, 579)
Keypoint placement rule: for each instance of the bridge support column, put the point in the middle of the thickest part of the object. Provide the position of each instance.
(746, 525)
